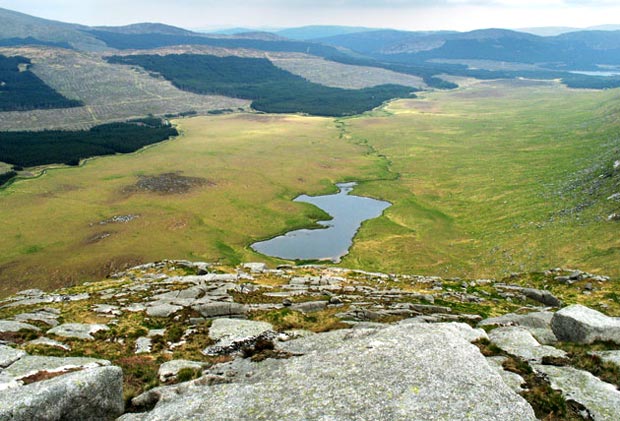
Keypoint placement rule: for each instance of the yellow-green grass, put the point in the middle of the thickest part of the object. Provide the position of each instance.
(479, 170)
(254, 164)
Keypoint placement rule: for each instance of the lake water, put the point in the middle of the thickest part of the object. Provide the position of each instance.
(597, 73)
(333, 241)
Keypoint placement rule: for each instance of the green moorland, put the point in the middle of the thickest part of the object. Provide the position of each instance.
(490, 178)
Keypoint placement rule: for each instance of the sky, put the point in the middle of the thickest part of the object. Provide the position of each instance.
(399, 14)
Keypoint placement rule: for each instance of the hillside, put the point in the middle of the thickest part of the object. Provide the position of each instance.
(15, 25)
(270, 88)
(581, 49)
(182, 339)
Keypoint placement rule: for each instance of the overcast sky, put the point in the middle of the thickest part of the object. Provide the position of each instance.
(401, 14)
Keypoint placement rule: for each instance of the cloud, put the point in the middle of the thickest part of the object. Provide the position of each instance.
(401, 14)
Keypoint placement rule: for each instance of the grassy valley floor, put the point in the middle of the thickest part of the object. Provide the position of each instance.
(484, 180)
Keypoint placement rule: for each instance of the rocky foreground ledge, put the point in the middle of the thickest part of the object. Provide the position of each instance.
(184, 340)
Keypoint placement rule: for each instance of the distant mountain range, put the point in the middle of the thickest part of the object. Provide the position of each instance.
(550, 31)
(423, 54)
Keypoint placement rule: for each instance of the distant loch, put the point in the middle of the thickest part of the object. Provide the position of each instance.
(332, 242)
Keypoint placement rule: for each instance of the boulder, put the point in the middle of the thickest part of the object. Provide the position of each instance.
(107, 309)
(608, 356)
(542, 296)
(162, 310)
(513, 380)
(584, 325)
(537, 323)
(47, 316)
(30, 365)
(77, 330)
(93, 394)
(220, 309)
(400, 372)
(519, 341)
(11, 326)
(232, 335)
(310, 306)
(255, 267)
(602, 400)
(9, 355)
(169, 370)
(49, 342)
(143, 345)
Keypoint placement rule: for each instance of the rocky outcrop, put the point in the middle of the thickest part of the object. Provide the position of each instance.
(169, 370)
(519, 341)
(601, 400)
(94, 394)
(77, 330)
(542, 296)
(402, 372)
(11, 326)
(420, 367)
(218, 309)
(55, 388)
(584, 325)
(537, 323)
(232, 335)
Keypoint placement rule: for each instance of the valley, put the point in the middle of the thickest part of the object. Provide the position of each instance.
(311, 222)
(475, 191)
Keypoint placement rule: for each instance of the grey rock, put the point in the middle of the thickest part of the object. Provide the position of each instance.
(8, 382)
(46, 316)
(615, 196)
(602, 400)
(94, 394)
(540, 319)
(31, 293)
(156, 332)
(461, 330)
(49, 342)
(11, 326)
(537, 323)
(162, 310)
(180, 295)
(169, 370)
(309, 306)
(32, 364)
(143, 345)
(107, 309)
(581, 324)
(544, 297)
(135, 307)
(608, 356)
(513, 380)
(151, 397)
(77, 330)
(398, 372)
(255, 267)
(233, 334)
(220, 309)
(519, 341)
(613, 217)
(427, 308)
(335, 300)
(9, 355)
